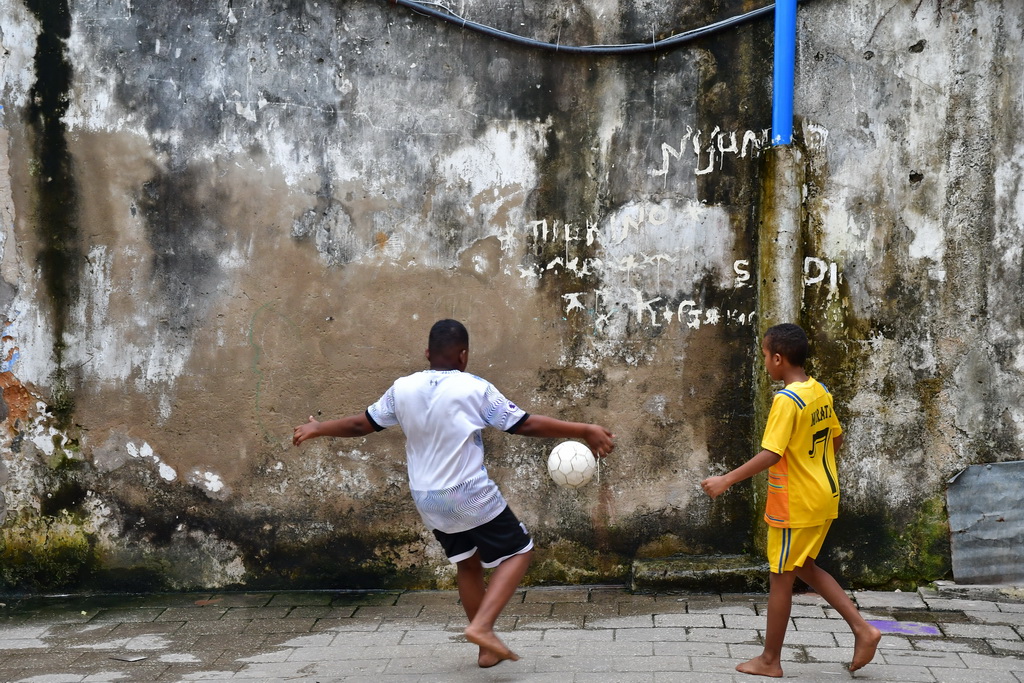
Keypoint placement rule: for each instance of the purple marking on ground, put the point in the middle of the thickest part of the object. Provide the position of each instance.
(907, 628)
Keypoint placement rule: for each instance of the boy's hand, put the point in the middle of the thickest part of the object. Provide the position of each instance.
(715, 486)
(305, 431)
(600, 440)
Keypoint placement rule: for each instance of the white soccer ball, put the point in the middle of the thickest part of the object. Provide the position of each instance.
(571, 464)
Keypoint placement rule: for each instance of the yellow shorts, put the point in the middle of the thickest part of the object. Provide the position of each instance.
(790, 548)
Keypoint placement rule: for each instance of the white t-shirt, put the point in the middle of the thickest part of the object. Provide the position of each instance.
(442, 413)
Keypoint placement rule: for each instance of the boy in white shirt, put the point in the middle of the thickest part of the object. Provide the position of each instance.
(442, 412)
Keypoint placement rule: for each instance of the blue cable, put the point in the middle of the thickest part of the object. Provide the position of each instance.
(631, 48)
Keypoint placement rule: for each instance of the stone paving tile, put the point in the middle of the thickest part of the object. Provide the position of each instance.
(988, 631)
(584, 609)
(672, 605)
(277, 671)
(720, 665)
(277, 625)
(875, 599)
(567, 665)
(220, 627)
(130, 630)
(534, 609)
(432, 637)
(946, 660)
(1008, 618)
(192, 614)
(957, 605)
(744, 621)
(260, 612)
(970, 676)
(976, 645)
(811, 611)
(652, 664)
(734, 609)
(629, 609)
(556, 595)
(132, 671)
(173, 599)
(548, 622)
(672, 677)
(128, 615)
(651, 634)
(422, 625)
(833, 625)
(375, 639)
(722, 635)
(442, 612)
(706, 620)
(60, 659)
(428, 598)
(615, 650)
(1007, 647)
(230, 641)
(690, 649)
(566, 636)
(387, 611)
(236, 659)
(927, 616)
(24, 632)
(346, 624)
(205, 676)
(986, 662)
(890, 673)
(636, 621)
(435, 666)
(241, 599)
(298, 598)
(620, 677)
(361, 598)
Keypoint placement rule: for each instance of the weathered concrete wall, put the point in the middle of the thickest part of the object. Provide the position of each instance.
(914, 194)
(232, 215)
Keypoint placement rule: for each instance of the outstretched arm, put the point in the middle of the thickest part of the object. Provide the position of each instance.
(716, 486)
(599, 439)
(353, 425)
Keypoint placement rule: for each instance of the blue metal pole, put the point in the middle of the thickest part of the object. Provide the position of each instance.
(782, 81)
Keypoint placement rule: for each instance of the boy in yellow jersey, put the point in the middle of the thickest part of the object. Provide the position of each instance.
(798, 450)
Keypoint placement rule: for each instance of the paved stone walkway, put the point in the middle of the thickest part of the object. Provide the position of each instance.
(596, 633)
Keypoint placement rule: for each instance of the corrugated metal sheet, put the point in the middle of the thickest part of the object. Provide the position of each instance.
(986, 523)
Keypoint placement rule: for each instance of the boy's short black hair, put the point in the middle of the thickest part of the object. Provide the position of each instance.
(789, 341)
(447, 334)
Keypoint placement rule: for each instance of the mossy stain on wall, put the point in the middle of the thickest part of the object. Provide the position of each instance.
(60, 257)
(40, 554)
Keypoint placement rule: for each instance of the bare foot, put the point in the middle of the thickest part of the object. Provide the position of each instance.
(492, 644)
(486, 659)
(864, 646)
(758, 667)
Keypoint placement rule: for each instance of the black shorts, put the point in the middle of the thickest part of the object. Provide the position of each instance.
(496, 540)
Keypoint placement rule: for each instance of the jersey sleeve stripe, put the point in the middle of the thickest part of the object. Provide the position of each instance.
(514, 428)
(793, 395)
(376, 427)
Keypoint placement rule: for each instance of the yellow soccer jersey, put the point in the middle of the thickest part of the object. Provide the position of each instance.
(803, 489)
